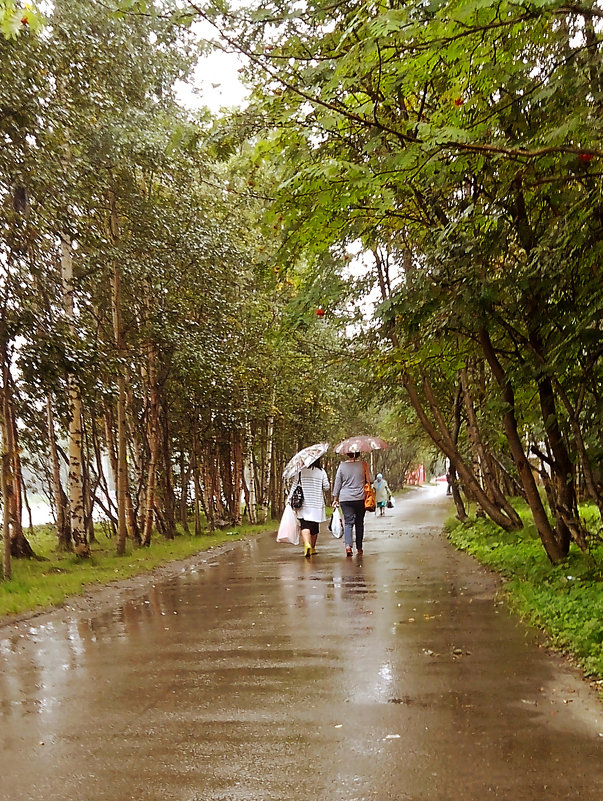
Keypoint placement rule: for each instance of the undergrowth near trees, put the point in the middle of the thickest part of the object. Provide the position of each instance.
(563, 601)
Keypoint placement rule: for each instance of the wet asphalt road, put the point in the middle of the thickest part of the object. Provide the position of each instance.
(257, 675)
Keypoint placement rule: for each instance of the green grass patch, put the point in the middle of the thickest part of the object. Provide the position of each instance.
(39, 583)
(563, 601)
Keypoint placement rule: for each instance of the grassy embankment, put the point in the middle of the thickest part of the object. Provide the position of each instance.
(565, 602)
(47, 581)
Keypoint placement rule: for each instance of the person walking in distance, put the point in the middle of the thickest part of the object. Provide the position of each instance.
(314, 483)
(348, 492)
(382, 493)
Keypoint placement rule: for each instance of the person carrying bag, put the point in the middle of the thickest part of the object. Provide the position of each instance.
(349, 491)
(383, 494)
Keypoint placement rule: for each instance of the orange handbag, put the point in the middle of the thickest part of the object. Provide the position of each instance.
(370, 502)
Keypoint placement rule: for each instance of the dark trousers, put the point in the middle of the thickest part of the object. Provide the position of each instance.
(353, 515)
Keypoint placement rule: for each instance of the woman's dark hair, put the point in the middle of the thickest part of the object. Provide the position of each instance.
(316, 463)
(353, 454)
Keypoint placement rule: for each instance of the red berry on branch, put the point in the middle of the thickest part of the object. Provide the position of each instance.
(585, 157)
(459, 101)
(320, 312)
(24, 21)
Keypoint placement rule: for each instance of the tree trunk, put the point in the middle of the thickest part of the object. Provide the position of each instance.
(237, 476)
(121, 465)
(7, 468)
(445, 443)
(196, 482)
(208, 489)
(249, 473)
(267, 466)
(565, 510)
(461, 512)
(153, 440)
(15, 542)
(555, 549)
(185, 476)
(593, 490)
(169, 499)
(60, 498)
(75, 450)
(487, 468)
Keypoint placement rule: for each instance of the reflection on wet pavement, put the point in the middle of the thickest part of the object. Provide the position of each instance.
(259, 675)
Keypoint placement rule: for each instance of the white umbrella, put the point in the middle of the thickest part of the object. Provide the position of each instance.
(305, 458)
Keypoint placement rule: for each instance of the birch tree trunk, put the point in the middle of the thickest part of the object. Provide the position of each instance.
(7, 470)
(249, 472)
(121, 487)
(75, 434)
(196, 484)
(237, 476)
(267, 466)
(153, 438)
(168, 506)
(60, 498)
(185, 476)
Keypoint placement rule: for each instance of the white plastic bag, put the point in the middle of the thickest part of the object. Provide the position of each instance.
(336, 524)
(391, 503)
(288, 530)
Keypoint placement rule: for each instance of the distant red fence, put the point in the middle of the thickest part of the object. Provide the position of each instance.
(416, 477)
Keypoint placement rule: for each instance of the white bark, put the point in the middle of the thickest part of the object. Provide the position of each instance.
(75, 481)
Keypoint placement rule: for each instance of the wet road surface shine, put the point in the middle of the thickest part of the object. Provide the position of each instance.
(258, 675)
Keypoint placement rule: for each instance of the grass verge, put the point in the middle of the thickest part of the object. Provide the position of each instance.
(565, 602)
(47, 581)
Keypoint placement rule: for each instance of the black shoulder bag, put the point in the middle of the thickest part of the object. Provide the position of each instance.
(297, 496)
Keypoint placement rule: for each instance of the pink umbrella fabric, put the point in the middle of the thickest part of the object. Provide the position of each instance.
(361, 444)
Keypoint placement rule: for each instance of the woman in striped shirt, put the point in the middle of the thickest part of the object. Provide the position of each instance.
(314, 483)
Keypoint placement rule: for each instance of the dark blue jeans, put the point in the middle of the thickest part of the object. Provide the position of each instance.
(353, 515)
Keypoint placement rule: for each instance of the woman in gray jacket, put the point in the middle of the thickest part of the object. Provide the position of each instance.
(348, 492)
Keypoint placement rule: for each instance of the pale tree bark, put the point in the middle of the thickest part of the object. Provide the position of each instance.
(196, 484)
(185, 475)
(237, 476)
(267, 465)
(249, 479)
(121, 488)
(153, 440)
(75, 433)
(207, 470)
(132, 526)
(167, 507)
(224, 451)
(7, 469)
(60, 498)
(137, 462)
